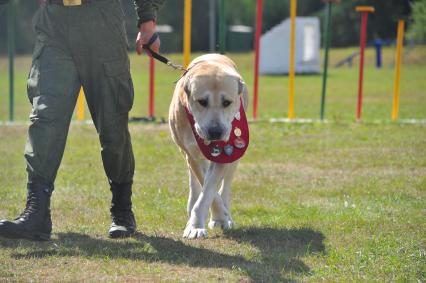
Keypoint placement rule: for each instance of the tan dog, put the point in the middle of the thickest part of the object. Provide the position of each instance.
(211, 91)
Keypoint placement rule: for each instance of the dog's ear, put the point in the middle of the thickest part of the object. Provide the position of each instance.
(187, 85)
(240, 86)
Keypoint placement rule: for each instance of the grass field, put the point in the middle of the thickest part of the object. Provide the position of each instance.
(273, 90)
(335, 202)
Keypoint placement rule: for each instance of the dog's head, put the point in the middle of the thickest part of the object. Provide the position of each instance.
(213, 99)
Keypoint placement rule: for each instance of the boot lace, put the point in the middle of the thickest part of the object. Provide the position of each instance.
(30, 207)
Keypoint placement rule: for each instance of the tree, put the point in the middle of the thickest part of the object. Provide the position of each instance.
(381, 24)
(417, 29)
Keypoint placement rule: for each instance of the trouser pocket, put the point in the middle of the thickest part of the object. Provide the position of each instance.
(33, 82)
(120, 84)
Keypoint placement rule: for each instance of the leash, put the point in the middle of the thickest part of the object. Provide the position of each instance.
(159, 57)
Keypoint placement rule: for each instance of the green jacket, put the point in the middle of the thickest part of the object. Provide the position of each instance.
(147, 9)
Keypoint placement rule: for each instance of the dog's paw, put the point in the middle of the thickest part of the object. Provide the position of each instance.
(193, 233)
(224, 225)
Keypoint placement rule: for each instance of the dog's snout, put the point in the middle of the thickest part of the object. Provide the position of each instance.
(215, 133)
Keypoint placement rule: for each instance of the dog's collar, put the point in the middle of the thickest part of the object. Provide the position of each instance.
(186, 71)
(225, 151)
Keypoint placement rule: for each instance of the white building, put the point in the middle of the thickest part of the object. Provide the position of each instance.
(275, 47)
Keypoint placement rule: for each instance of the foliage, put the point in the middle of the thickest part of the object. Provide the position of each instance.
(417, 30)
(382, 24)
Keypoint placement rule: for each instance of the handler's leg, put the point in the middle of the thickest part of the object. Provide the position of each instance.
(111, 121)
(52, 89)
(100, 48)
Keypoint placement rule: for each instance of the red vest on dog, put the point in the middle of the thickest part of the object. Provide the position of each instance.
(225, 151)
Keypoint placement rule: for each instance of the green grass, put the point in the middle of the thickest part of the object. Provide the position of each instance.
(273, 90)
(339, 201)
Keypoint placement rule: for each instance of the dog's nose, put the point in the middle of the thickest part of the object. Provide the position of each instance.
(215, 133)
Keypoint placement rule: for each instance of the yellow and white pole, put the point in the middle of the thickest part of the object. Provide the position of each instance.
(80, 105)
(293, 5)
(398, 57)
(187, 33)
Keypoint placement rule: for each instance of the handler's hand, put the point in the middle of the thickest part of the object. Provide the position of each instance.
(146, 31)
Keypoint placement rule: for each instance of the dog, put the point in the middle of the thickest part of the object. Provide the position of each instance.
(208, 99)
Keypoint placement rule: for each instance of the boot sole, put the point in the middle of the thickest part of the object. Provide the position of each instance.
(27, 236)
(121, 234)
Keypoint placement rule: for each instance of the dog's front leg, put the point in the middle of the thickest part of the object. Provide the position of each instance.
(195, 228)
(221, 211)
(194, 191)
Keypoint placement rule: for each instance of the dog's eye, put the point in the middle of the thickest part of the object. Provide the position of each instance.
(226, 103)
(203, 102)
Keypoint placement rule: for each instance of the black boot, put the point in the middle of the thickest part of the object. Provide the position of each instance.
(123, 221)
(34, 223)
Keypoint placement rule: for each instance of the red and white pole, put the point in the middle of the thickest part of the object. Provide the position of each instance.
(364, 10)
(256, 56)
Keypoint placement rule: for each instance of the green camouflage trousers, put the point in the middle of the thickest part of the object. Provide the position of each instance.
(80, 46)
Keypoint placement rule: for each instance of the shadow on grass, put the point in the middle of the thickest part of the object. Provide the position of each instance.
(280, 250)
